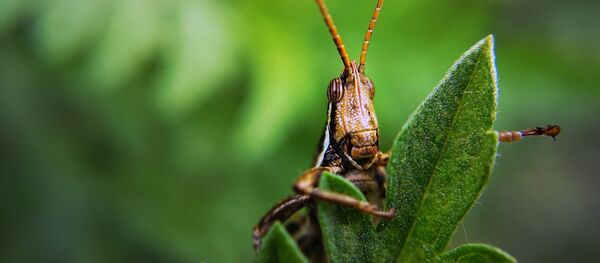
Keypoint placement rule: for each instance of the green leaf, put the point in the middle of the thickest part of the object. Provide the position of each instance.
(279, 246)
(476, 253)
(442, 159)
(348, 235)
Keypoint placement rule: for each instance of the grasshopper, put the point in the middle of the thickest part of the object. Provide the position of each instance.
(349, 147)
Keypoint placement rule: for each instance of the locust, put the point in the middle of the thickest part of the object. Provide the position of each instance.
(349, 147)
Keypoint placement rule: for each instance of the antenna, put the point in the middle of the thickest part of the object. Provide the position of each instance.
(334, 33)
(363, 54)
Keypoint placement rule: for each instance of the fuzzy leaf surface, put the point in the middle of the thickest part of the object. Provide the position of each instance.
(348, 235)
(279, 246)
(442, 159)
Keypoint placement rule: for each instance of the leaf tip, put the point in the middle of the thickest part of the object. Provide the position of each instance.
(489, 39)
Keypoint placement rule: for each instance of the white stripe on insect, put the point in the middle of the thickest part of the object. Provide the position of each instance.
(325, 140)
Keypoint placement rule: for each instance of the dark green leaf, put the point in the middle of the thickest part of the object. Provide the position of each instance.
(442, 159)
(476, 253)
(348, 234)
(279, 246)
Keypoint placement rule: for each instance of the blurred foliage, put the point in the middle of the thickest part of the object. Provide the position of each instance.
(159, 130)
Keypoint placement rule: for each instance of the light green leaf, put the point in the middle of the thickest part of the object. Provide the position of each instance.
(348, 234)
(442, 159)
(279, 246)
(476, 253)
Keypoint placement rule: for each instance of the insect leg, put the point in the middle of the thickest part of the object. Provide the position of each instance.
(381, 179)
(382, 159)
(306, 184)
(281, 211)
(511, 136)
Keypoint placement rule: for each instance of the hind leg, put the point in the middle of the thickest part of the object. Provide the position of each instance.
(280, 212)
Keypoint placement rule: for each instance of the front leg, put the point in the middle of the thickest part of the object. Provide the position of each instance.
(382, 159)
(307, 184)
(380, 173)
(381, 179)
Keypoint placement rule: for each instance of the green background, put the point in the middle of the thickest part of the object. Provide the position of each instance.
(160, 130)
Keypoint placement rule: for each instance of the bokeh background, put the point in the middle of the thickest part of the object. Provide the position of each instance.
(161, 130)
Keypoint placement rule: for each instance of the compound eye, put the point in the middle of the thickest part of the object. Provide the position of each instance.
(335, 90)
(371, 88)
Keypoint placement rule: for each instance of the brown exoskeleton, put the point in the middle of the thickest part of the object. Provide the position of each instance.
(349, 147)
